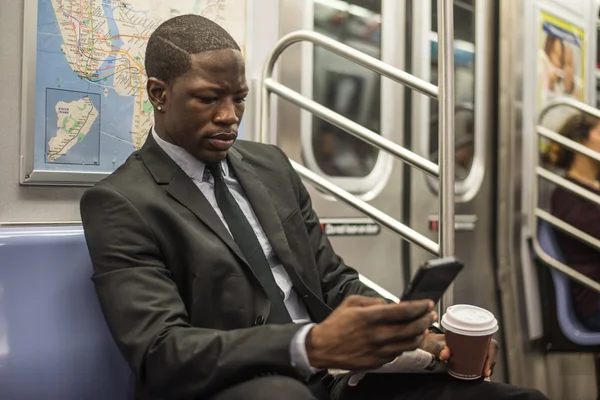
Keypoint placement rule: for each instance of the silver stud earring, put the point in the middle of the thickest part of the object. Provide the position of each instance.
(159, 108)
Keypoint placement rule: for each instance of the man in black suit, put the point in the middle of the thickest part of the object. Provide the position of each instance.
(211, 267)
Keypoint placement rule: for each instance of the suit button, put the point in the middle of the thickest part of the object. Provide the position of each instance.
(259, 320)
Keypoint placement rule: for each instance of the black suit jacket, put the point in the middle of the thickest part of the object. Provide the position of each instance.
(179, 297)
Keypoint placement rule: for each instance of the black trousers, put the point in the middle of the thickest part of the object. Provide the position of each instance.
(429, 387)
(377, 387)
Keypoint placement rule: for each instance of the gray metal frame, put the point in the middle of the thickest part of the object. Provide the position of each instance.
(445, 93)
(541, 172)
(28, 175)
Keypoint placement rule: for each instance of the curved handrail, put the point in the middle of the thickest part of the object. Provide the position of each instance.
(541, 172)
(353, 128)
(567, 101)
(351, 54)
(445, 94)
(269, 85)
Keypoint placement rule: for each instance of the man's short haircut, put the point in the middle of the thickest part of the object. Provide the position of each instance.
(169, 50)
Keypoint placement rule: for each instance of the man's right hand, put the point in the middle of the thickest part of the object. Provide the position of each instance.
(365, 332)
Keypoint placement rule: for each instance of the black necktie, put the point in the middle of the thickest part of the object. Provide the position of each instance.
(246, 239)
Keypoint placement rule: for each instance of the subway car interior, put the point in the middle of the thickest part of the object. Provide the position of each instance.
(421, 128)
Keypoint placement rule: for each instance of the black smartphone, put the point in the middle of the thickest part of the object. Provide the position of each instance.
(432, 279)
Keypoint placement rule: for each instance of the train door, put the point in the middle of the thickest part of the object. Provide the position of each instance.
(528, 49)
(374, 27)
(597, 59)
(558, 63)
(474, 90)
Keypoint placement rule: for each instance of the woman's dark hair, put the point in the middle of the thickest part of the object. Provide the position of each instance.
(577, 128)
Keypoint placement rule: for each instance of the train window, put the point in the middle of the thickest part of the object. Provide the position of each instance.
(464, 60)
(350, 90)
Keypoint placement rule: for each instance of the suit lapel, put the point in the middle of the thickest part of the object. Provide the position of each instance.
(183, 189)
(263, 207)
(179, 186)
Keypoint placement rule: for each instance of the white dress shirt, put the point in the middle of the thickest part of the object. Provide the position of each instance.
(197, 172)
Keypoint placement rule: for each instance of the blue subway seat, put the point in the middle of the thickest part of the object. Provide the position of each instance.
(54, 341)
(567, 319)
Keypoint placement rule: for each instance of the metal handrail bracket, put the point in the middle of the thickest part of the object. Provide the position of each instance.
(445, 93)
(541, 172)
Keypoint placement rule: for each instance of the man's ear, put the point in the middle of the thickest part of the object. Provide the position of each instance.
(157, 92)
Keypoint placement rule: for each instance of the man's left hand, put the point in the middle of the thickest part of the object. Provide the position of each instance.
(436, 345)
(490, 361)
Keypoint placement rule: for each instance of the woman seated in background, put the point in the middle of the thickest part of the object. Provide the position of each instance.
(579, 212)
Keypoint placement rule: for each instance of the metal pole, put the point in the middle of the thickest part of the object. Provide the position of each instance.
(265, 112)
(445, 20)
(256, 92)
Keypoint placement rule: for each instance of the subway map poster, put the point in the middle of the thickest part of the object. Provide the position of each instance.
(91, 109)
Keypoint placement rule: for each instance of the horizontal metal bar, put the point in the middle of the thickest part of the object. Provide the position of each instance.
(566, 101)
(570, 186)
(568, 143)
(565, 269)
(567, 228)
(353, 128)
(378, 288)
(39, 223)
(544, 173)
(351, 54)
(367, 209)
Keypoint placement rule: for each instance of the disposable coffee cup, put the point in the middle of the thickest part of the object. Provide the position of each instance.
(469, 330)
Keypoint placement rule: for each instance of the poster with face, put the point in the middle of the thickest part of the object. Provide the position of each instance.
(561, 66)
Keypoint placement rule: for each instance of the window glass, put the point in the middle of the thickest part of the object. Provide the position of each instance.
(464, 73)
(345, 87)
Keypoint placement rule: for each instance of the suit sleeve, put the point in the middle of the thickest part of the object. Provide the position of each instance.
(148, 319)
(338, 280)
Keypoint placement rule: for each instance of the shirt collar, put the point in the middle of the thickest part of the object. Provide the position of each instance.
(192, 167)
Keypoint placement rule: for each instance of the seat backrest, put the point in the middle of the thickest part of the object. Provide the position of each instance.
(54, 341)
(548, 241)
(570, 325)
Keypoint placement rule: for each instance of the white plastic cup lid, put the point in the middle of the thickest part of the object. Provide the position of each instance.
(469, 320)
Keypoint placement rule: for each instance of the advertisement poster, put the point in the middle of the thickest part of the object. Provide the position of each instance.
(561, 65)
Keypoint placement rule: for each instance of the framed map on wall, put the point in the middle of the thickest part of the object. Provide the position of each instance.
(84, 103)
